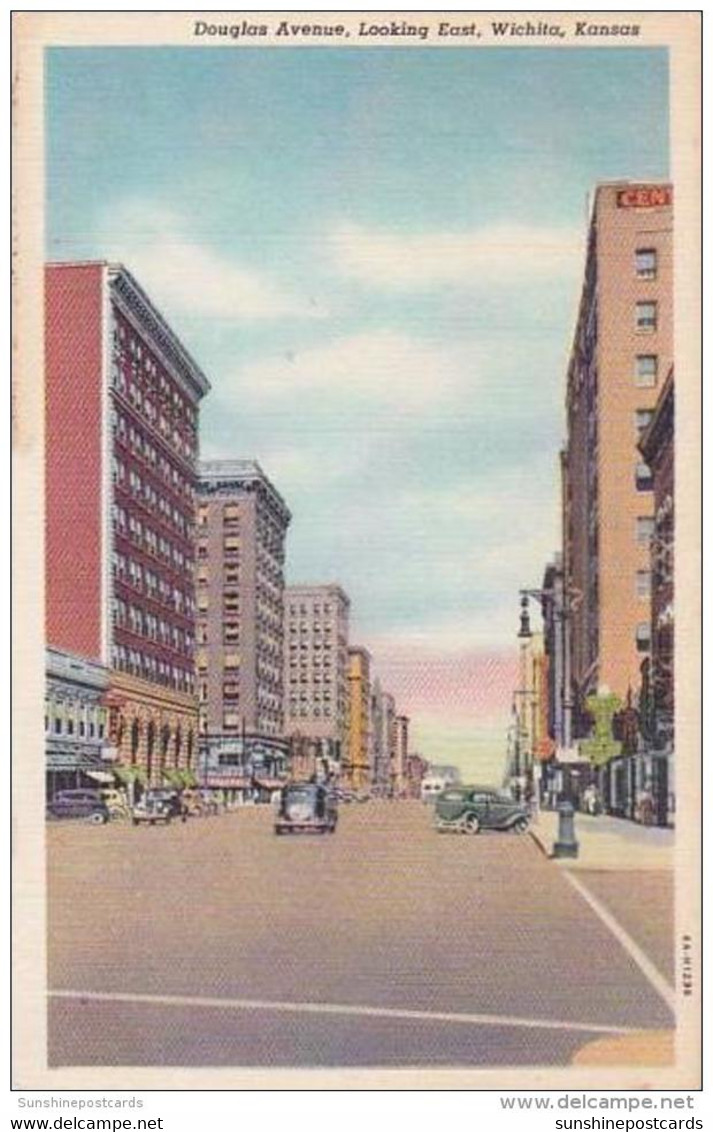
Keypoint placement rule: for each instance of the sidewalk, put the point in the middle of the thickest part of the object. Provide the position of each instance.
(608, 843)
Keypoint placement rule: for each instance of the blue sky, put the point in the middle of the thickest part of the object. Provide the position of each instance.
(375, 255)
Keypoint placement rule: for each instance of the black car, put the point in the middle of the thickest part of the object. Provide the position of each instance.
(306, 807)
(170, 799)
(468, 809)
(86, 804)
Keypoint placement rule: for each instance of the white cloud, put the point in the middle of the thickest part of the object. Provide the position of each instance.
(186, 276)
(499, 255)
(371, 369)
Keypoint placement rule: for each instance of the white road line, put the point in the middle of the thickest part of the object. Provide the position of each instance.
(345, 1009)
(647, 968)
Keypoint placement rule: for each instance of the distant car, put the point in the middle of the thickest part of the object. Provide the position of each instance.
(151, 810)
(171, 798)
(82, 804)
(468, 809)
(306, 807)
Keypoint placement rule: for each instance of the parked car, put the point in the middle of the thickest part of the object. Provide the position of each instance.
(86, 804)
(173, 799)
(152, 810)
(306, 807)
(468, 809)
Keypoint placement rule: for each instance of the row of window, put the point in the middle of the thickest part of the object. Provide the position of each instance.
(145, 537)
(313, 610)
(231, 551)
(75, 719)
(143, 579)
(157, 419)
(304, 630)
(145, 624)
(230, 601)
(139, 663)
(146, 494)
(303, 713)
(142, 448)
(231, 574)
(127, 347)
(231, 516)
(231, 660)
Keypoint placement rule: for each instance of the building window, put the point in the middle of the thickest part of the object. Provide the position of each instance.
(646, 370)
(644, 529)
(644, 478)
(643, 636)
(643, 583)
(646, 263)
(642, 418)
(646, 316)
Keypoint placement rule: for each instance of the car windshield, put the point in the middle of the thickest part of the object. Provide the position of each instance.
(300, 793)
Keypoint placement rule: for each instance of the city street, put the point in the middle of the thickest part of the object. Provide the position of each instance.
(215, 943)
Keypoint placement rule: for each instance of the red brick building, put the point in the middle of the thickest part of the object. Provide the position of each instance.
(657, 448)
(621, 353)
(122, 398)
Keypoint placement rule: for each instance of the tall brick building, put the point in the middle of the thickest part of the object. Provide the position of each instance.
(122, 397)
(242, 522)
(356, 770)
(316, 642)
(621, 353)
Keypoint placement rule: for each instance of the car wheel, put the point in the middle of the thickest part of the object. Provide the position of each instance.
(96, 818)
(520, 825)
(472, 824)
(134, 821)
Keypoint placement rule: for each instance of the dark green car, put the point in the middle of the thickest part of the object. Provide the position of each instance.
(468, 809)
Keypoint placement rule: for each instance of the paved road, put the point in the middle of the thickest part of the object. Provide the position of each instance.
(217, 943)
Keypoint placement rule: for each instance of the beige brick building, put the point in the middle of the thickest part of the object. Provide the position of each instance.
(240, 553)
(315, 680)
(621, 354)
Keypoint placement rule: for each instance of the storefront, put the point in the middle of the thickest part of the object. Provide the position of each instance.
(244, 769)
(77, 754)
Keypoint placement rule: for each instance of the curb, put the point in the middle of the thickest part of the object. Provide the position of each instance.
(537, 838)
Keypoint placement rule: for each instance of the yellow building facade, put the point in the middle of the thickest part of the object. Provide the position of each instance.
(356, 772)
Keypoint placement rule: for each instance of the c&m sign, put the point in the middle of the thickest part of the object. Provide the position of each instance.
(644, 196)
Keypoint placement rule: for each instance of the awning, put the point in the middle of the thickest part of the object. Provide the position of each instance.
(99, 775)
(271, 783)
(227, 782)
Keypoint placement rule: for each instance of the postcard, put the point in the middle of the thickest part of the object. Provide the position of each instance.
(357, 502)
